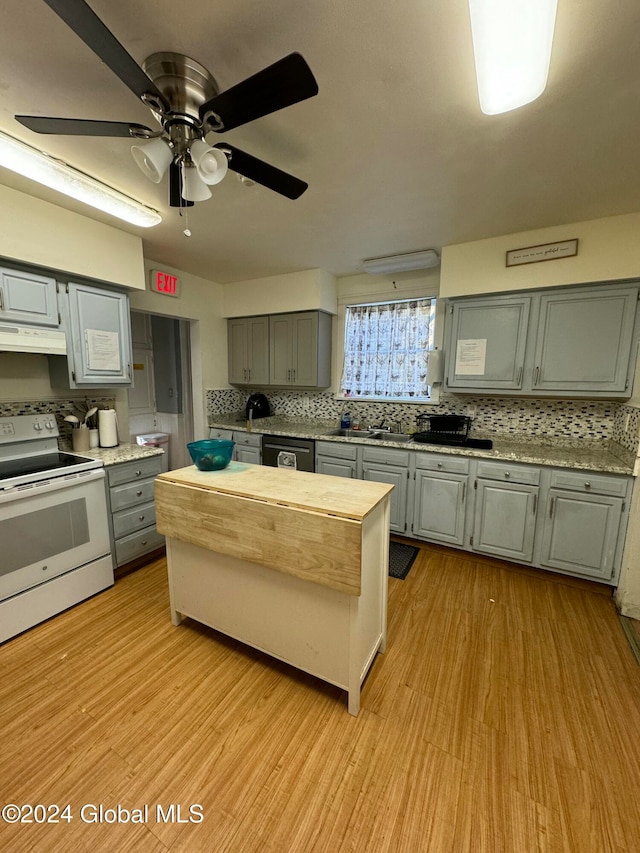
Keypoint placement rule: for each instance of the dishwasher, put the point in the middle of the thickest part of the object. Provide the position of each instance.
(281, 451)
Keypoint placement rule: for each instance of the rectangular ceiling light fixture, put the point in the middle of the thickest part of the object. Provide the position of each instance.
(57, 175)
(512, 46)
(403, 263)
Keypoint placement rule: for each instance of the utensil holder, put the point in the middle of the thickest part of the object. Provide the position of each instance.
(80, 439)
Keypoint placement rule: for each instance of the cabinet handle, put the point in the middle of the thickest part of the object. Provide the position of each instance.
(535, 504)
(507, 475)
(551, 503)
(294, 374)
(141, 517)
(138, 473)
(519, 376)
(249, 374)
(138, 494)
(535, 375)
(439, 465)
(1, 300)
(587, 485)
(144, 542)
(464, 490)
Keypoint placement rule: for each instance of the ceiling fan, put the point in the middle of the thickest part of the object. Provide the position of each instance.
(184, 98)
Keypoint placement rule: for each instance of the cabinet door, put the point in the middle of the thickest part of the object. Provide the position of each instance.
(141, 395)
(396, 477)
(237, 332)
(439, 506)
(100, 336)
(584, 340)
(280, 349)
(336, 467)
(487, 343)
(305, 349)
(258, 350)
(248, 454)
(581, 533)
(28, 298)
(505, 520)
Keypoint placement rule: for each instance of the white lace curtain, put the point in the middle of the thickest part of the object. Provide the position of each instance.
(386, 349)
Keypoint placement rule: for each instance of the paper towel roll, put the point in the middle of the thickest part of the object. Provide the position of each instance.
(108, 427)
(434, 367)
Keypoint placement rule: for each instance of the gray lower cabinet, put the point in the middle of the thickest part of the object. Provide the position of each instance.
(132, 515)
(386, 465)
(248, 447)
(583, 524)
(338, 460)
(506, 503)
(28, 298)
(441, 486)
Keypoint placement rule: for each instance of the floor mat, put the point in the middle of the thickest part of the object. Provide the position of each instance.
(401, 559)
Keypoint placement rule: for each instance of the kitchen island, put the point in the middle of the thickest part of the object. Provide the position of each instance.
(291, 563)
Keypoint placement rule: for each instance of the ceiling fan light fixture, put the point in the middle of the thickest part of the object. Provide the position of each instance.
(59, 176)
(193, 187)
(153, 158)
(210, 162)
(402, 263)
(512, 42)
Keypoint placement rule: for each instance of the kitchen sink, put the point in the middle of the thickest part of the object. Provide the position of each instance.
(398, 437)
(352, 433)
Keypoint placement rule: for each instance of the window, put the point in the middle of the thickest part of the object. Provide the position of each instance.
(386, 349)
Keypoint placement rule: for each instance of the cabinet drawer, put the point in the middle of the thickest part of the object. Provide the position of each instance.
(509, 473)
(589, 483)
(386, 455)
(138, 544)
(130, 494)
(140, 469)
(434, 462)
(247, 439)
(336, 450)
(224, 434)
(129, 520)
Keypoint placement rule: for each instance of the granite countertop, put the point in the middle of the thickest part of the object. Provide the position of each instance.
(605, 455)
(121, 453)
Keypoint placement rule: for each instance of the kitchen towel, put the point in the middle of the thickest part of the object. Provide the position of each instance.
(108, 427)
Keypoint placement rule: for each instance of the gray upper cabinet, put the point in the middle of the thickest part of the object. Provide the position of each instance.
(584, 340)
(488, 341)
(570, 341)
(248, 341)
(28, 298)
(300, 349)
(96, 321)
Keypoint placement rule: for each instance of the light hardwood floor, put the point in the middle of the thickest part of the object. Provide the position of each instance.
(504, 717)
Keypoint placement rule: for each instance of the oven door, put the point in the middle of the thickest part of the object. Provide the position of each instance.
(51, 527)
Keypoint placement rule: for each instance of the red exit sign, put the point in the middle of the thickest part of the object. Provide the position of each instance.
(164, 282)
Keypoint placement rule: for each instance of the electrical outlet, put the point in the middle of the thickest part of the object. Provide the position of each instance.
(626, 421)
(471, 410)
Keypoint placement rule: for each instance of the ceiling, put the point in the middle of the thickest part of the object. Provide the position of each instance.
(396, 152)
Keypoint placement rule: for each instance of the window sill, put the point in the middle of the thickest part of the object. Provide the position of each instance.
(433, 400)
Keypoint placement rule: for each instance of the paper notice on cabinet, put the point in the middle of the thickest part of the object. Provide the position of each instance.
(471, 354)
(103, 350)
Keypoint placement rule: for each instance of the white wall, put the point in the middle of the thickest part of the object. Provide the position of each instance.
(43, 234)
(608, 249)
(309, 290)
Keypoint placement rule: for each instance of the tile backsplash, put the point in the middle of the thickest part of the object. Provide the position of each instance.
(564, 419)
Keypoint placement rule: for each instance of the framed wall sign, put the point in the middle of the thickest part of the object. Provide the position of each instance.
(544, 252)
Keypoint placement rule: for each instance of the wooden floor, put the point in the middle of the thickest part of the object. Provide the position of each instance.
(504, 717)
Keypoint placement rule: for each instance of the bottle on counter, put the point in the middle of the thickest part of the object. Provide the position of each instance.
(345, 421)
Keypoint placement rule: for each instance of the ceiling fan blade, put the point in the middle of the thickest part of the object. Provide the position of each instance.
(262, 173)
(85, 127)
(88, 26)
(286, 82)
(175, 187)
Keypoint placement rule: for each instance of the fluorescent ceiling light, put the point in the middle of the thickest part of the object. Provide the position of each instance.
(402, 263)
(56, 175)
(512, 45)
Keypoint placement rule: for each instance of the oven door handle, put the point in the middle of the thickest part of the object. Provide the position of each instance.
(54, 484)
(289, 448)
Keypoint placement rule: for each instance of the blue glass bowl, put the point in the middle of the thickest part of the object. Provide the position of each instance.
(211, 454)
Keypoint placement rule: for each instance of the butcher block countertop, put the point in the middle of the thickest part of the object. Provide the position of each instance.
(346, 498)
(306, 525)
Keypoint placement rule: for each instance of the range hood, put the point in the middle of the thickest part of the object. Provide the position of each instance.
(32, 339)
